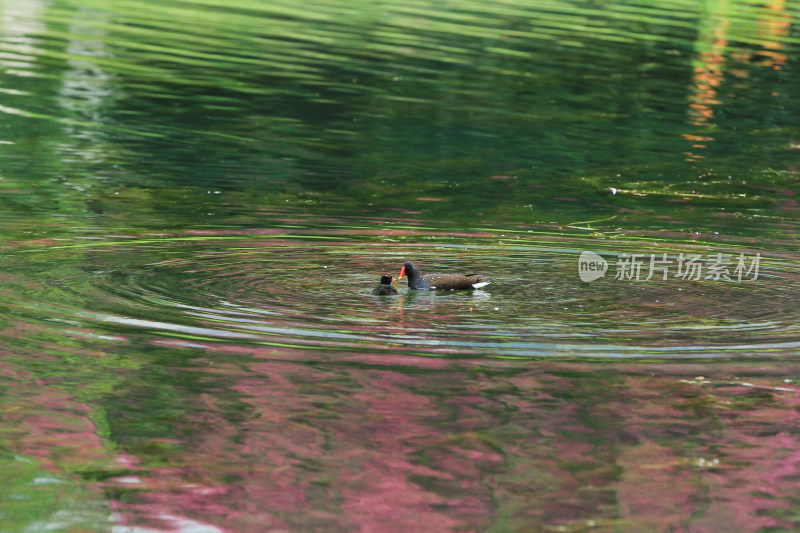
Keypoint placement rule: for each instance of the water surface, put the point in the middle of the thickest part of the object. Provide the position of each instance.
(196, 201)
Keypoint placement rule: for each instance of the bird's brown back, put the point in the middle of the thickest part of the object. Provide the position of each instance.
(452, 281)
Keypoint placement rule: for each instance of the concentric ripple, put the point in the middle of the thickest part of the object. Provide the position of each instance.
(312, 291)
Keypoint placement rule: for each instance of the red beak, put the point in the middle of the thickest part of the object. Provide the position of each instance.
(402, 272)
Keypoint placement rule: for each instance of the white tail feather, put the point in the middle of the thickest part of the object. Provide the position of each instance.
(481, 284)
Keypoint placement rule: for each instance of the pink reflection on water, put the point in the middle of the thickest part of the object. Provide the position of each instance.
(787, 203)
(400, 463)
(342, 444)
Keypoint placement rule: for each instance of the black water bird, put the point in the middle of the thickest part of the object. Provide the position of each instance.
(441, 282)
(385, 287)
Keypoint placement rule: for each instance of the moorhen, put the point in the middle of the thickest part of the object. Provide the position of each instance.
(385, 287)
(441, 282)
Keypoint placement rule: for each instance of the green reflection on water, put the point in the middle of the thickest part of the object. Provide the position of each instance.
(662, 115)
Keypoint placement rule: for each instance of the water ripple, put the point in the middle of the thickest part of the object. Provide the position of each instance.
(300, 291)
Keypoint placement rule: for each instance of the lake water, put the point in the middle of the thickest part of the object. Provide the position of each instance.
(197, 198)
